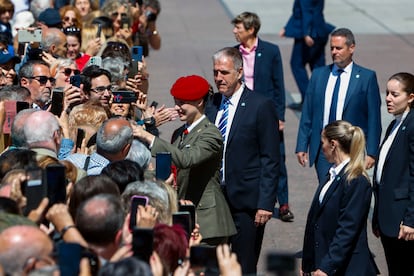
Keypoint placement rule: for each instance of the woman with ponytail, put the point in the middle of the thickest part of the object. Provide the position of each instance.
(335, 240)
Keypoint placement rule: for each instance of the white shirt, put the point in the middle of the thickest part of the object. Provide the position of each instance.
(333, 171)
(343, 88)
(387, 145)
(234, 101)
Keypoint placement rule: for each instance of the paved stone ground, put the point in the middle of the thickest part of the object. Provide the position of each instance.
(192, 30)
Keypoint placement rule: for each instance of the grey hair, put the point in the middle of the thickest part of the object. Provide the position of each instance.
(14, 93)
(139, 153)
(50, 38)
(116, 67)
(157, 194)
(38, 128)
(114, 142)
(232, 53)
(17, 128)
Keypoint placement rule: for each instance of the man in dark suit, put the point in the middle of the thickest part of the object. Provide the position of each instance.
(263, 73)
(357, 101)
(310, 31)
(251, 154)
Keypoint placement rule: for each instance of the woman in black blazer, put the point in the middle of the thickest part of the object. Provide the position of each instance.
(335, 240)
(393, 218)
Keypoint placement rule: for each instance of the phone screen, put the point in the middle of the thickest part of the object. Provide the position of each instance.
(142, 243)
(124, 97)
(162, 165)
(183, 219)
(203, 256)
(56, 183)
(57, 101)
(79, 137)
(135, 202)
(34, 189)
(192, 210)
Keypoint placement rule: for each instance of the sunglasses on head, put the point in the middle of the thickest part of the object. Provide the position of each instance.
(43, 79)
(71, 30)
(116, 45)
(68, 71)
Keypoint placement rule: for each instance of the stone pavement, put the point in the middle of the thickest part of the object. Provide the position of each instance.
(192, 30)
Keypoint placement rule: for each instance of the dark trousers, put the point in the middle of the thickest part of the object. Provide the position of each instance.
(399, 256)
(247, 243)
(303, 55)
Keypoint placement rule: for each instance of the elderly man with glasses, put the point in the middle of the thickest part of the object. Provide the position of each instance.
(35, 76)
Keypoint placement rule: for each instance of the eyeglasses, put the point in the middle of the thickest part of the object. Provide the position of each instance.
(68, 71)
(67, 18)
(43, 79)
(102, 89)
(115, 14)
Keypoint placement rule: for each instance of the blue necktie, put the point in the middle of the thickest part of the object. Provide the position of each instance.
(334, 102)
(222, 126)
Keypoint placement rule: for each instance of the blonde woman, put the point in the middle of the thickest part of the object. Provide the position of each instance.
(335, 240)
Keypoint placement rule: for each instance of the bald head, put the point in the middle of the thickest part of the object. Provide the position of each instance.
(54, 42)
(42, 129)
(20, 243)
(114, 139)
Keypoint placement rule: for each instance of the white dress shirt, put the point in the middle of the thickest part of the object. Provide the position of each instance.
(333, 171)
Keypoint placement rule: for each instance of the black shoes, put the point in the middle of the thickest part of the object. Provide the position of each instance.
(295, 106)
(285, 214)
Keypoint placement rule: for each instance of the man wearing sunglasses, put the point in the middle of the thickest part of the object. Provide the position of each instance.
(97, 84)
(35, 76)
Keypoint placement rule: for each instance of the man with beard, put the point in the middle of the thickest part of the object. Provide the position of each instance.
(35, 76)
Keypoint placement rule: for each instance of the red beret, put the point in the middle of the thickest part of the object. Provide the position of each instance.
(190, 88)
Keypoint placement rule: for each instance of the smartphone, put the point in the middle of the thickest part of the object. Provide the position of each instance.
(99, 31)
(69, 257)
(29, 36)
(142, 243)
(11, 108)
(57, 101)
(135, 202)
(34, 54)
(124, 97)
(154, 104)
(79, 138)
(95, 60)
(34, 188)
(283, 263)
(136, 52)
(56, 183)
(133, 69)
(192, 210)
(125, 22)
(183, 219)
(162, 165)
(21, 49)
(75, 80)
(203, 256)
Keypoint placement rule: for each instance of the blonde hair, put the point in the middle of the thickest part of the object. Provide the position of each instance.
(64, 9)
(59, 63)
(351, 141)
(88, 34)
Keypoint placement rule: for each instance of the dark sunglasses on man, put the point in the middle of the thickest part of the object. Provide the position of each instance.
(43, 79)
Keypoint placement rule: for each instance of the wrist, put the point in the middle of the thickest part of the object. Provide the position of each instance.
(66, 229)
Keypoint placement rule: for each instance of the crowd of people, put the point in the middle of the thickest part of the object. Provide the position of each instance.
(78, 138)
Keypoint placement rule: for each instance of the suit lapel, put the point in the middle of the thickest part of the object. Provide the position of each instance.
(353, 82)
(238, 115)
(194, 133)
(335, 184)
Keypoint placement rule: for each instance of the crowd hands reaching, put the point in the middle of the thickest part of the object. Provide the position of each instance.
(74, 91)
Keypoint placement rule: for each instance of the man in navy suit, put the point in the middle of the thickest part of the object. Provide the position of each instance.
(251, 154)
(263, 73)
(310, 31)
(358, 101)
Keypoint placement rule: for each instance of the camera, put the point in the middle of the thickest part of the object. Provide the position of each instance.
(151, 16)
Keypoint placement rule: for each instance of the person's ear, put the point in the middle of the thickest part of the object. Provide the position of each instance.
(24, 81)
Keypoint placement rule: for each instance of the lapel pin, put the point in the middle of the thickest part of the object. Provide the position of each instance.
(403, 128)
(243, 104)
(357, 76)
(259, 54)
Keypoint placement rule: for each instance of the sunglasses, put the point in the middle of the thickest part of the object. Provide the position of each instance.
(116, 45)
(67, 18)
(43, 79)
(71, 30)
(102, 89)
(115, 14)
(68, 71)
